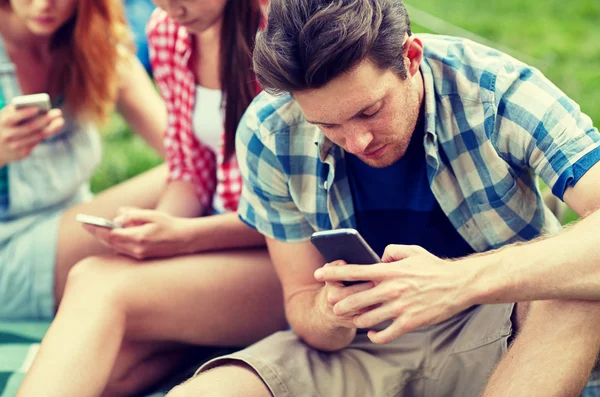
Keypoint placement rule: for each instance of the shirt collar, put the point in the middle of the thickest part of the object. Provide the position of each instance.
(429, 98)
(324, 145)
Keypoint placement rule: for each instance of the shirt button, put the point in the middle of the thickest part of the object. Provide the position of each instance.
(222, 180)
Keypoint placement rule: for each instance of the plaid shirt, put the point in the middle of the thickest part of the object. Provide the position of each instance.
(170, 48)
(491, 125)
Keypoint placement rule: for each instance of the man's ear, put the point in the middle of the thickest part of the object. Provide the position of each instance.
(413, 54)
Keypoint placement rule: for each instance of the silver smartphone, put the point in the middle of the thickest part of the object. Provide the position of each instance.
(344, 244)
(41, 101)
(97, 221)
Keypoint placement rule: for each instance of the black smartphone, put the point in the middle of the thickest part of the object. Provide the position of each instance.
(344, 244)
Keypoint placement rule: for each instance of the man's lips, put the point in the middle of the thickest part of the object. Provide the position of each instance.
(375, 153)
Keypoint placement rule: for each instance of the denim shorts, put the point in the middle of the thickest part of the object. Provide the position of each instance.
(27, 269)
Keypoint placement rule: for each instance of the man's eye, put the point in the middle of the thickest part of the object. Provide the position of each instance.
(370, 113)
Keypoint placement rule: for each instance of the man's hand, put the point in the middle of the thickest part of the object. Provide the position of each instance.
(335, 291)
(412, 287)
(146, 234)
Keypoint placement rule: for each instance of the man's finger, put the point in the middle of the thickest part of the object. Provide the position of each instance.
(367, 298)
(338, 291)
(397, 252)
(351, 273)
(398, 328)
(386, 311)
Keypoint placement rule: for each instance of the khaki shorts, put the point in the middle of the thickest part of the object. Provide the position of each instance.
(453, 358)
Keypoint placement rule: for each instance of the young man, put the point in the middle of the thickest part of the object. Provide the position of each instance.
(434, 143)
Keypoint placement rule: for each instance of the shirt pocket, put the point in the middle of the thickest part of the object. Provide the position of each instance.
(509, 215)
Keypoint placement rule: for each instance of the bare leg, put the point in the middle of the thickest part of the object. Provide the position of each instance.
(228, 298)
(226, 381)
(143, 365)
(74, 243)
(553, 354)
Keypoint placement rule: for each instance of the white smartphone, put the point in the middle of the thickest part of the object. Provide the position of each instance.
(41, 101)
(96, 221)
(344, 244)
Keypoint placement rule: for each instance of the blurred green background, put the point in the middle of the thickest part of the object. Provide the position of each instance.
(561, 38)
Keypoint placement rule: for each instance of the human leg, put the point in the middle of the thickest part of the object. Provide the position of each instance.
(197, 299)
(553, 353)
(453, 358)
(75, 244)
(235, 379)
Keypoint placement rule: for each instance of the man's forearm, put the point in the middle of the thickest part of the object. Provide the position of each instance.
(312, 327)
(563, 266)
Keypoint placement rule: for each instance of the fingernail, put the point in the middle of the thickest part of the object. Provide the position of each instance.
(319, 274)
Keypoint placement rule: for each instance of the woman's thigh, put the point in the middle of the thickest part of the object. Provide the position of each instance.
(223, 298)
(74, 243)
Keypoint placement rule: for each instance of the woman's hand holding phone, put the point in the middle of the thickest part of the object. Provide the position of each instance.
(146, 234)
(23, 128)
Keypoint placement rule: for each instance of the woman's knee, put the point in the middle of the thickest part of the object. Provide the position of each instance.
(96, 279)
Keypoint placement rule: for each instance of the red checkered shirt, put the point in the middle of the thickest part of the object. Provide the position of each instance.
(170, 48)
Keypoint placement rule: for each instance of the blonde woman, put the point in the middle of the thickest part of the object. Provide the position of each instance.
(79, 53)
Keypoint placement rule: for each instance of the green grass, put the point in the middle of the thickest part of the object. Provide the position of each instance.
(563, 38)
(563, 35)
(124, 155)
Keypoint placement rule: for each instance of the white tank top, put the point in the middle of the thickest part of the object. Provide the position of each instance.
(208, 123)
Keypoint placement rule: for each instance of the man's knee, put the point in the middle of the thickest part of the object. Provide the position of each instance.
(569, 314)
(567, 308)
(231, 380)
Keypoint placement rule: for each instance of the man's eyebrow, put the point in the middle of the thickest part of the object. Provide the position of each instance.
(361, 111)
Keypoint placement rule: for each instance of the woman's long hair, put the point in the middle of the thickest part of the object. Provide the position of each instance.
(241, 21)
(89, 51)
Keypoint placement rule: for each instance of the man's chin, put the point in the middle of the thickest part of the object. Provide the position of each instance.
(378, 163)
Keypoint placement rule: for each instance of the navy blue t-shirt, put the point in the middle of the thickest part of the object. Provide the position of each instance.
(395, 205)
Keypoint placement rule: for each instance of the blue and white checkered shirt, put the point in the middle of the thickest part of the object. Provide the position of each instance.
(492, 124)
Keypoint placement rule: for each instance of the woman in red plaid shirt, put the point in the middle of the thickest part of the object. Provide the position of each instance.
(127, 320)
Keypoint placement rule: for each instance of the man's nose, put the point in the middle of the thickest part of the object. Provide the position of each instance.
(358, 140)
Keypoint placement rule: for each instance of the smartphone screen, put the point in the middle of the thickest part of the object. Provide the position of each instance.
(344, 244)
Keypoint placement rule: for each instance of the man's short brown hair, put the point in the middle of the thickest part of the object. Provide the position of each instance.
(307, 43)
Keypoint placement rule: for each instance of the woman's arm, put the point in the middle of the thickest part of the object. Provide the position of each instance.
(141, 105)
(180, 199)
(154, 234)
